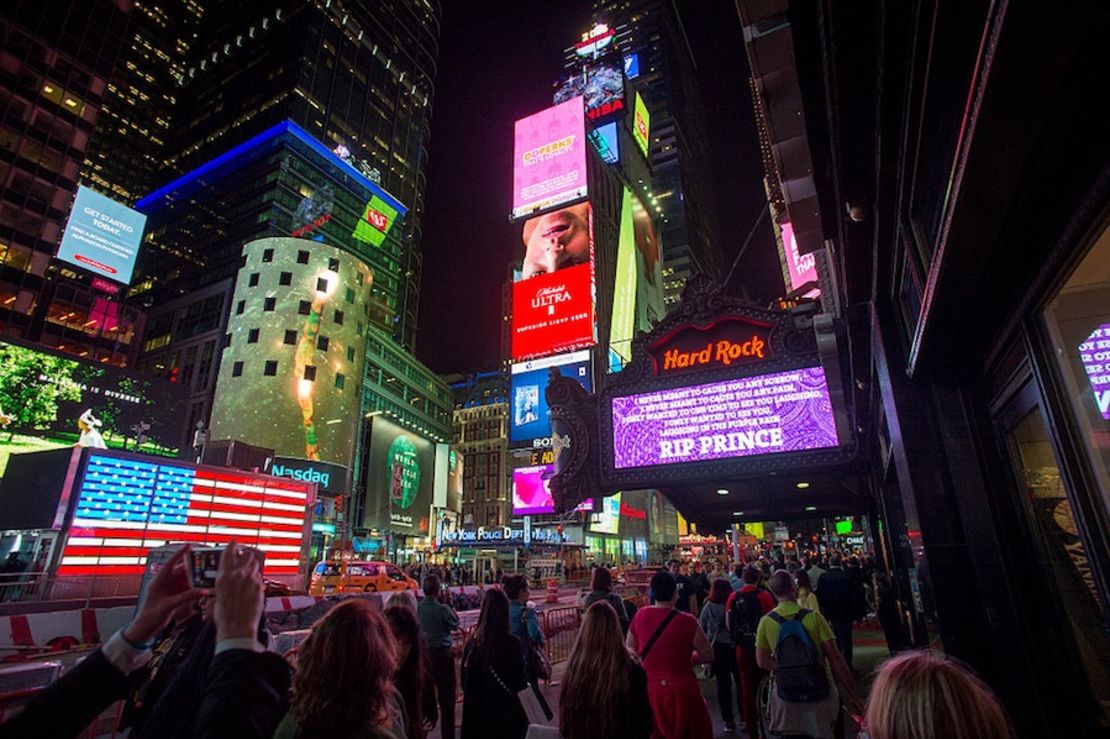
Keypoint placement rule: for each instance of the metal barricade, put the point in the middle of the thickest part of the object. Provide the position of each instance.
(560, 629)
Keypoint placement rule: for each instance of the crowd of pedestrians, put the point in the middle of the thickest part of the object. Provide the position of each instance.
(198, 663)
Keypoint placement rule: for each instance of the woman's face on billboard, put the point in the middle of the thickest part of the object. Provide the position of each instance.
(556, 240)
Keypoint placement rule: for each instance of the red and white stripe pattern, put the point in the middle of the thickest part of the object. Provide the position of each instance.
(126, 507)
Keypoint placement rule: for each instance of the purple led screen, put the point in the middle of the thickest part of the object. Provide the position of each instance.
(781, 412)
(1095, 355)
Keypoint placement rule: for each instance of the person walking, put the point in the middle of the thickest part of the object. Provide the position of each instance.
(668, 642)
(840, 597)
(687, 599)
(736, 577)
(726, 670)
(344, 684)
(799, 648)
(601, 589)
(437, 622)
(806, 597)
(523, 620)
(918, 695)
(604, 691)
(493, 674)
(814, 570)
(745, 608)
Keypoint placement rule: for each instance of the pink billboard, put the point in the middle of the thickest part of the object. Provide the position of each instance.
(549, 158)
(802, 267)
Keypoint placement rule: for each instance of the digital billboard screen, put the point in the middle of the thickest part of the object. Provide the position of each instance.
(601, 87)
(128, 505)
(531, 418)
(376, 222)
(622, 326)
(766, 414)
(553, 303)
(102, 236)
(399, 475)
(608, 519)
(605, 141)
(50, 400)
(1095, 357)
(549, 158)
(801, 268)
(532, 494)
(641, 124)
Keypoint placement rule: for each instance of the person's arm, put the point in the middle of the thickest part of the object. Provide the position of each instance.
(630, 640)
(450, 618)
(843, 676)
(247, 693)
(535, 633)
(73, 701)
(764, 659)
(703, 650)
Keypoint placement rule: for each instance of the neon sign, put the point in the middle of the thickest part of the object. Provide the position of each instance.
(721, 344)
(594, 40)
(377, 219)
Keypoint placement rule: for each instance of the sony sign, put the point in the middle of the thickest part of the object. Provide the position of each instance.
(331, 479)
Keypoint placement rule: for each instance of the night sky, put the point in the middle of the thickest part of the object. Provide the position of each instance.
(498, 65)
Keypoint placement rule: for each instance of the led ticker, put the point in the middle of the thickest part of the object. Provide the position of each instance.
(125, 507)
(766, 414)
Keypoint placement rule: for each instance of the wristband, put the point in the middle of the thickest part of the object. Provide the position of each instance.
(140, 646)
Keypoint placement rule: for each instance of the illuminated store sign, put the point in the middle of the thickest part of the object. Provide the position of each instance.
(766, 414)
(126, 506)
(487, 535)
(549, 158)
(102, 236)
(1094, 353)
(594, 41)
(331, 479)
(727, 342)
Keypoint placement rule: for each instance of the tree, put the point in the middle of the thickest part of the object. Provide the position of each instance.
(31, 385)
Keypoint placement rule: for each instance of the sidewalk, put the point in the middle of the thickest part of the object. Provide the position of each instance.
(869, 652)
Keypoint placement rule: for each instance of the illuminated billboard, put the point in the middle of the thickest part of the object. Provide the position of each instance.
(553, 303)
(530, 417)
(290, 377)
(605, 141)
(531, 494)
(399, 476)
(127, 505)
(1095, 358)
(623, 324)
(331, 479)
(50, 400)
(801, 268)
(601, 86)
(765, 414)
(549, 158)
(641, 124)
(377, 220)
(632, 66)
(608, 520)
(650, 308)
(102, 236)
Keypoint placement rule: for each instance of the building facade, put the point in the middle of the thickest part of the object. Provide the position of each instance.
(480, 433)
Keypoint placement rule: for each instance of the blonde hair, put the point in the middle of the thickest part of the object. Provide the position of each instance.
(917, 695)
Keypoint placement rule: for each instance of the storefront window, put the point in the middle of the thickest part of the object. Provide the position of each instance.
(1077, 321)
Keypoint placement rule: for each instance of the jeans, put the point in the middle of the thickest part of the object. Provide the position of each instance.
(442, 661)
(750, 675)
(725, 671)
(842, 630)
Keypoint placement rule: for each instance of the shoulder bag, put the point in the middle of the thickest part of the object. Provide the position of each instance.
(655, 636)
(539, 666)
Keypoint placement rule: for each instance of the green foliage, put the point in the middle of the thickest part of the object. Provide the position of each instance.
(32, 383)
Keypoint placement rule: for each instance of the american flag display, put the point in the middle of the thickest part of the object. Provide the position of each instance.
(127, 506)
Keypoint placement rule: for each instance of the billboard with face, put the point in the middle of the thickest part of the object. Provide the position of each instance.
(399, 475)
(50, 400)
(641, 124)
(601, 86)
(102, 236)
(553, 309)
(530, 418)
(765, 414)
(549, 158)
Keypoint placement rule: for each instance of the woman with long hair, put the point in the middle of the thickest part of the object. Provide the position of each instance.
(344, 683)
(412, 679)
(726, 669)
(492, 675)
(668, 642)
(604, 688)
(917, 695)
(806, 597)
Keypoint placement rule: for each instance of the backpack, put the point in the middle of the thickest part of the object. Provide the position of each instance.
(799, 666)
(743, 617)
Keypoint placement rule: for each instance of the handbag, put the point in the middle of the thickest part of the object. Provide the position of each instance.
(535, 708)
(539, 666)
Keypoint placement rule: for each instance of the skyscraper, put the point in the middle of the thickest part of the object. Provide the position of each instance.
(651, 31)
(357, 79)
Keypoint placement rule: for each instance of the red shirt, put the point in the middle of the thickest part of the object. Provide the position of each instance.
(766, 602)
(670, 655)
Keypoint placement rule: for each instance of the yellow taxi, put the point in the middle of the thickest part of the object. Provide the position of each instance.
(358, 576)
